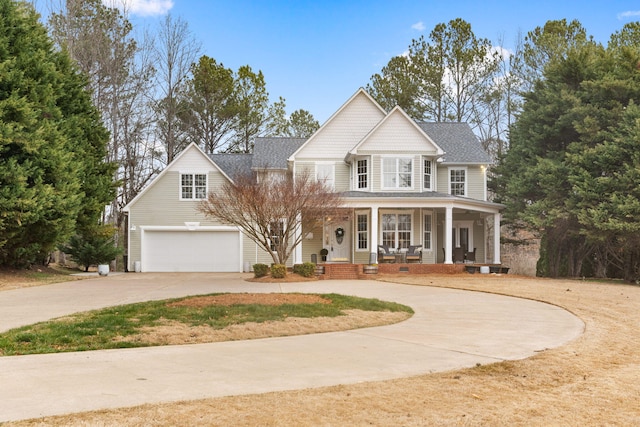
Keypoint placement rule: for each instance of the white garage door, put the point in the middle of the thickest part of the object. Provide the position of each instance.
(191, 251)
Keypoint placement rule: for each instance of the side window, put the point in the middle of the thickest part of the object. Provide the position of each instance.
(427, 175)
(362, 224)
(458, 182)
(362, 174)
(426, 243)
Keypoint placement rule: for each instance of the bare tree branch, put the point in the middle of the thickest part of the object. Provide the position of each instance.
(270, 209)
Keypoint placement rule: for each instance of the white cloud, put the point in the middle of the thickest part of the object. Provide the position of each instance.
(142, 7)
(419, 26)
(628, 14)
(504, 53)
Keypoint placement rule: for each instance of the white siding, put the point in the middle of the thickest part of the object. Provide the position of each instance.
(397, 135)
(191, 160)
(344, 131)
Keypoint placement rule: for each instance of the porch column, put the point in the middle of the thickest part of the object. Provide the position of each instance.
(374, 230)
(297, 253)
(448, 225)
(496, 238)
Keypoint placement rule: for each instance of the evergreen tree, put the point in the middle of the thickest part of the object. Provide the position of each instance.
(51, 143)
(571, 171)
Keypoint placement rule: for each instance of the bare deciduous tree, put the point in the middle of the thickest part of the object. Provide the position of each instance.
(176, 50)
(273, 211)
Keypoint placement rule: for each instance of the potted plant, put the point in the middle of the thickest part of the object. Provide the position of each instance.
(323, 254)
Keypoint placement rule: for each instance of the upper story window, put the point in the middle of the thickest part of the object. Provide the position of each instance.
(458, 181)
(362, 174)
(427, 175)
(397, 172)
(193, 186)
(325, 173)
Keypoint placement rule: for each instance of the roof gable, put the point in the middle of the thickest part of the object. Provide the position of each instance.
(203, 161)
(397, 132)
(344, 129)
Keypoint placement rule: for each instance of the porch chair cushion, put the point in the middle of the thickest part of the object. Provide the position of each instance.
(385, 255)
(458, 254)
(414, 253)
(471, 256)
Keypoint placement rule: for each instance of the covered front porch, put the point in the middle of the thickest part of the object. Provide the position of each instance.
(448, 232)
(345, 271)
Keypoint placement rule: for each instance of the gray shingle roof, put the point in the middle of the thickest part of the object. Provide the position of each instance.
(273, 152)
(233, 164)
(458, 141)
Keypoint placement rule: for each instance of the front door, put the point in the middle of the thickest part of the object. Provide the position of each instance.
(339, 241)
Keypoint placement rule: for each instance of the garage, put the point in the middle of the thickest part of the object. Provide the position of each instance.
(184, 250)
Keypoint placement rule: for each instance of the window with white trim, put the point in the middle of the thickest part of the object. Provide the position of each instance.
(276, 233)
(362, 174)
(458, 181)
(325, 173)
(396, 230)
(362, 232)
(427, 174)
(426, 240)
(193, 186)
(397, 172)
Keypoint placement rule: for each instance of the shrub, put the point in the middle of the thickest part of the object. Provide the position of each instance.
(306, 269)
(95, 246)
(260, 270)
(278, 271)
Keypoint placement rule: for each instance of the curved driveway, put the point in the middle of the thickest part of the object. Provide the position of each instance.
(451, 329)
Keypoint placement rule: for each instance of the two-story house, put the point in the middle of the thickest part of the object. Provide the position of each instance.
(403, 183)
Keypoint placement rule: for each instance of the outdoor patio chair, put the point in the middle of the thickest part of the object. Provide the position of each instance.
(458, 255)
(471, 256)
(385, 255)
(414, 253)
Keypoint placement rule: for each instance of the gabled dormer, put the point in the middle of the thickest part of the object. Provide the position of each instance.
(396, 155)
(322, 155)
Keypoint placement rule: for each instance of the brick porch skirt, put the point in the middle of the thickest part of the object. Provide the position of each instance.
(356, 271)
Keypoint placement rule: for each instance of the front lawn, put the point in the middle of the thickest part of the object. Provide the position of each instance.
(122, 326)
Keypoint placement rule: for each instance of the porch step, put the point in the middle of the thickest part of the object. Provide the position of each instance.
(342, 271)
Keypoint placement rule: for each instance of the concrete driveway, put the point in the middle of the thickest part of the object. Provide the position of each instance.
(451, 329)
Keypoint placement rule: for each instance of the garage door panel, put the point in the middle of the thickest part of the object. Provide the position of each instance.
(191, 251)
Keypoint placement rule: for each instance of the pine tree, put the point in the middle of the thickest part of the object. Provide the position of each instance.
(51, 148)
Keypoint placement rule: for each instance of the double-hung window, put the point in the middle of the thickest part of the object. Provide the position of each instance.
(426, 242)
(458, 181)
(362, 231)
(362, 174)
(193, 186)
(427, 175)
(276, 234)
(325, 173)
(396, 230)
(397, 172)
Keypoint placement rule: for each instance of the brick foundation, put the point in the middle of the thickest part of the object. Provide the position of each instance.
(356, 271)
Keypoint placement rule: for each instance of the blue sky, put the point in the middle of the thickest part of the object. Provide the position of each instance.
(316, 54)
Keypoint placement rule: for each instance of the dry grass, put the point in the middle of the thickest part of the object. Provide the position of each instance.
(35, 276)
(593, 380)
